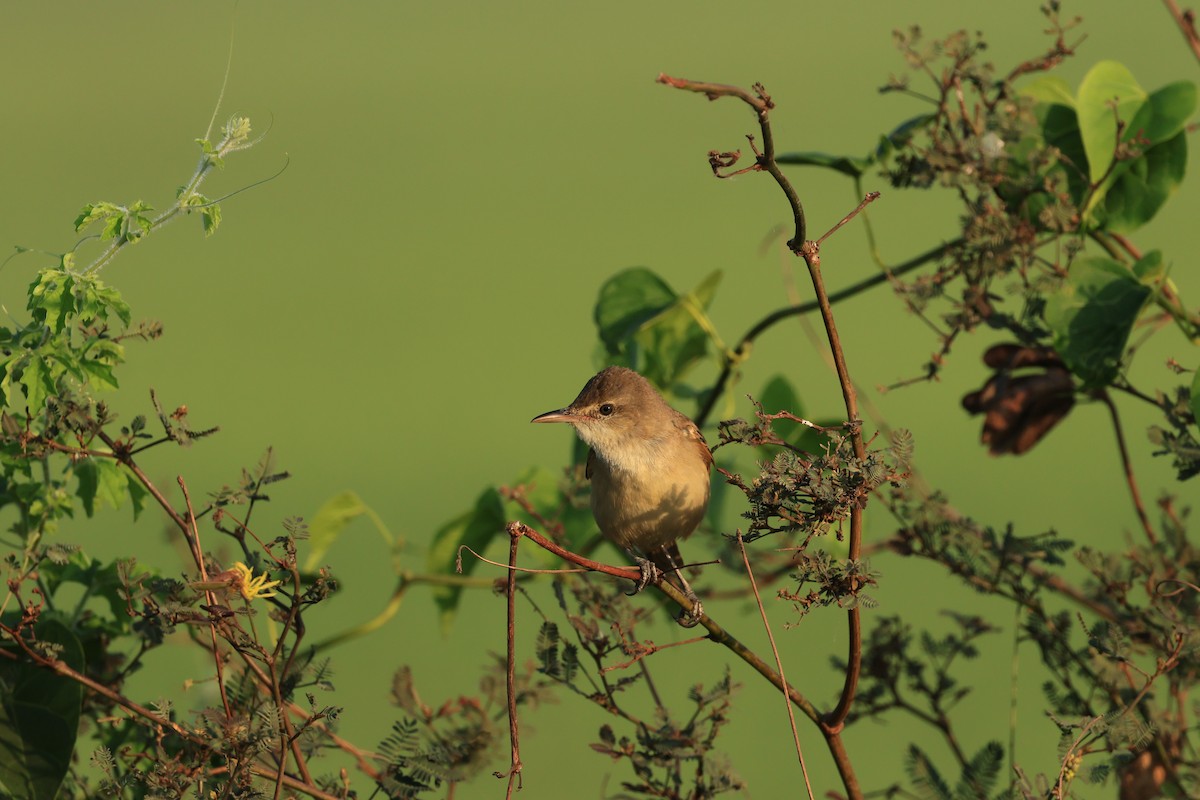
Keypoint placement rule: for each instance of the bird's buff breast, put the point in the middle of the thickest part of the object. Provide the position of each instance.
(643, 506)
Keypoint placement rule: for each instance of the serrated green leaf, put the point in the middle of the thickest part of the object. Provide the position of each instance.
(1091, 316)
(39, 716)
(100, 376)
(7, 366)
(102, 481)
(93, 212)
(476, 529)
(330, 521)
(210, 217)
(37, 381)
(97, 300)
(52, 299)
(113, 226)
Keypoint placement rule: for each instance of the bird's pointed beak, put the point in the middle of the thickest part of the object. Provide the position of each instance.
(561, 415)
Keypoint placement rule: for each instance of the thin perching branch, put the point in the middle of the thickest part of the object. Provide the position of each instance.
(761, 103)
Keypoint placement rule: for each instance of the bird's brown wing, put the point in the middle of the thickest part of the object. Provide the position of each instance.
(591, 463)
(689, 429)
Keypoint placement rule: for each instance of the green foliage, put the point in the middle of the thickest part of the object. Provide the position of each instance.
(646, 326)
(1132, 143)
(39, 714)
(475, 529)
(1092, 315)
(330, 522)
(854, 167)
(119, 223)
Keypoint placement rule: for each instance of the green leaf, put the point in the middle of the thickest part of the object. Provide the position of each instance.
(1150, 269)
(1106, 84)
(1049, 89)
(102, 482)
(39, 716)
(980, 773)
(901, 135)
(1060, 129)
(778, 395)
(476, 529)
(1194, 402)
(854, 166)
(847, 165)
(1091, 317)
(210, 217)
(52, 299)
(100, 375)
(37, 381)
(627, 300)
(646, 326)
(94, 212)
(1165, 113)
(137, 494)
(330, 522)
(1143, 185)
(925, 775)
(97, 300)
(105, 581)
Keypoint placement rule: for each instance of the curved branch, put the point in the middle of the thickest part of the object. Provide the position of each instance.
(715, 632)
(801, 309)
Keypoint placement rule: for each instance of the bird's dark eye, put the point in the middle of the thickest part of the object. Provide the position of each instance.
(606, 409)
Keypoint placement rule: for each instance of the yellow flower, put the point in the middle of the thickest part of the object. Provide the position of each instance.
(250, 586)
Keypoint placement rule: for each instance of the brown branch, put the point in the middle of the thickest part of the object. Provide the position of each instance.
(514, 732)
(762, 104)
(195, 738)
(810, 251)
(762, 611)
(740, 352)
(194, 544)
(1127, 467)
(715, 631)
(1186, 20)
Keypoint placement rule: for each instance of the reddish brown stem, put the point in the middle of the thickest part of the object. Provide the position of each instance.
(1127, 466)
(1186, 20)
(810, 252)
(514, 732)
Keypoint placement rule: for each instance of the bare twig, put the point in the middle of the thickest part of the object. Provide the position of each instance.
(778, 660)
(799, 309)
(1186, 20)
(761, 103)
(514, 732)
(1127, 466)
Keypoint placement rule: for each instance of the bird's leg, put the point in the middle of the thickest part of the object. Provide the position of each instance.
(650, 573)
(688, 619)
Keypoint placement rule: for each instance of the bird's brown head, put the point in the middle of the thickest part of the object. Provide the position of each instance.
(616, 405)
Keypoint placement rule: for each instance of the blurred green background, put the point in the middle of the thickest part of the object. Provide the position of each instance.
(392, 310)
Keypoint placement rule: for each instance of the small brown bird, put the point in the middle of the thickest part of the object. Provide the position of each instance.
(649, 467)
